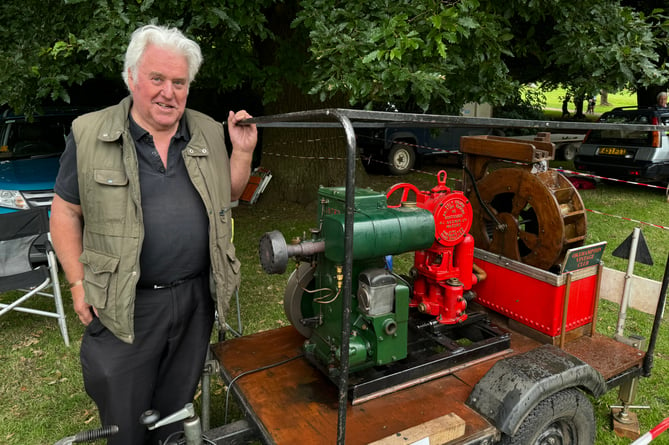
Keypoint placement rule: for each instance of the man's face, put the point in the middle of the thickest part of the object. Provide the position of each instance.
(160, 90)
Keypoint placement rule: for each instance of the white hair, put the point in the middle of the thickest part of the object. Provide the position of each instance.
(163, 37)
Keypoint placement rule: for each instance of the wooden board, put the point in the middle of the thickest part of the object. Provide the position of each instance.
(437, 431)
(606, 355)
(294, 403)
(507, 148)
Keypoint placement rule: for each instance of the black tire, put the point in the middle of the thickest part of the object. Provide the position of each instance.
(401, 159)
(565, 418)
(568, 152)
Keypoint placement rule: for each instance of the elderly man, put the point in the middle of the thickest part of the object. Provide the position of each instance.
(142, 227)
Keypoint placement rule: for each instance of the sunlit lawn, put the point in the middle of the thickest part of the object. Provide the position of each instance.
(620, 99)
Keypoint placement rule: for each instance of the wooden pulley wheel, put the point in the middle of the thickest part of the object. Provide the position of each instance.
(536, 218)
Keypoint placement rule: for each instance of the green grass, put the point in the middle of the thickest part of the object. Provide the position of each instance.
(620, 99)
(652, 391)
(615, 209)
(41, 391)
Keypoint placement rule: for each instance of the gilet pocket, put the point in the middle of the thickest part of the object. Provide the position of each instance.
(232, 271)
(232, 280)
(98, 270)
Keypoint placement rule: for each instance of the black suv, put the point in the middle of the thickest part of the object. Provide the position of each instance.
(641, 156)
(30, 150)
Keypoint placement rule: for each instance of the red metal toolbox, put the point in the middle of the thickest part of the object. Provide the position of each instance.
(535, 297)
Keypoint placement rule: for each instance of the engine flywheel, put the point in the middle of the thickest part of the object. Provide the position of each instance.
(537, 216)
(295, 306)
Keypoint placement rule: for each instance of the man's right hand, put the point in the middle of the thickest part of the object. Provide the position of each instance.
(82, 308)
(67, 226)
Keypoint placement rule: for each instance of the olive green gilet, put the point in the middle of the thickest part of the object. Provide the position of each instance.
(111, 207)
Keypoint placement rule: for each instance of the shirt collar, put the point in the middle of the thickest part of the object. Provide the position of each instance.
(138, 133)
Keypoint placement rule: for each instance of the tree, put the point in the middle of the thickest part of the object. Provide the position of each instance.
(52, 46)
(605, 47)
(437, 54)
(418, 54)
(646, 95)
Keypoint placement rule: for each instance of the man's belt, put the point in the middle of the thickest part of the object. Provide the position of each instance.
(174, 283)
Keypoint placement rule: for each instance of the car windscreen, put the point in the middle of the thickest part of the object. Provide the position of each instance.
(622, 136)
(38, 138)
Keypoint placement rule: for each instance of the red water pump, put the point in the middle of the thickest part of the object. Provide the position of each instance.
(443, 273)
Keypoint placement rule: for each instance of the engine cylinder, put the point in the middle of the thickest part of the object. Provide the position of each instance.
(379, 232)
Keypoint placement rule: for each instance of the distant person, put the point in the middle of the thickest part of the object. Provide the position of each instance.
(662, 100)
(565, 105)
(591, 105)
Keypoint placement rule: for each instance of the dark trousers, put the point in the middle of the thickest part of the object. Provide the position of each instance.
(159, 370)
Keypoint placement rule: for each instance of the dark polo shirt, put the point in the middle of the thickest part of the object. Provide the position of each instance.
(176, 238)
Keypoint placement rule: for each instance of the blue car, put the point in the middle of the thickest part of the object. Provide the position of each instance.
(30, 150)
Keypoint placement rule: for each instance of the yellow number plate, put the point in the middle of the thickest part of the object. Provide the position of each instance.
(612, 151)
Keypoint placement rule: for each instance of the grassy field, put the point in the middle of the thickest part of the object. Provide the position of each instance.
(41, 392)
(621, 99)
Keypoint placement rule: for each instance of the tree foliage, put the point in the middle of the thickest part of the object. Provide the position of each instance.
(426, 54)
(436, 53)
(51, 45)
(451, 52)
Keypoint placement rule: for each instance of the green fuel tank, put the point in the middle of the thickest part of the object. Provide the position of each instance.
(377, 229)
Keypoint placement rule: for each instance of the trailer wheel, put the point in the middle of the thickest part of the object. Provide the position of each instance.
(401, 159)
(568, 152)
(564, 418)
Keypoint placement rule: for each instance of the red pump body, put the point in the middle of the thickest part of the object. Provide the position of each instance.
(443, 272)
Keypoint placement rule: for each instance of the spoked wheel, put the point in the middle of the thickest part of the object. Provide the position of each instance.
(535, 218)
(408, 191)
(565, 418)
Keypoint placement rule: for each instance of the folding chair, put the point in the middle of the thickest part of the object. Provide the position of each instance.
(28, 263)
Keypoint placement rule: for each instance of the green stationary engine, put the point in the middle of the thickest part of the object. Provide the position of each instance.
(380, 306)
(435, 227)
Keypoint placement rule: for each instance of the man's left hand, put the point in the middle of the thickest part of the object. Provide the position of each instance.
(243, 137)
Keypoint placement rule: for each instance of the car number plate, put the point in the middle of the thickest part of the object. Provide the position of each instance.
(612, 151)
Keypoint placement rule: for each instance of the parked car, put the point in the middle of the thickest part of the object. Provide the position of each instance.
(632, 155)
(30, 150)
(566, 144)
(398, 150)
